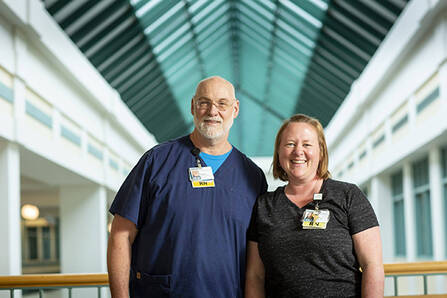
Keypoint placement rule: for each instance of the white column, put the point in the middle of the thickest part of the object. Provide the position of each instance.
(83, 229)
(437, 215)
(10, 249)
(410, 220)
(381, 200)
(437, 204)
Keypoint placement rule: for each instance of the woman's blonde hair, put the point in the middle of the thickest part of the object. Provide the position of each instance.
(322, 171)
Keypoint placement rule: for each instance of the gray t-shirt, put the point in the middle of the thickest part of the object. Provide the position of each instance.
(311, 263)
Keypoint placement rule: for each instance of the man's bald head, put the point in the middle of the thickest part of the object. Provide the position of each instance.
(215, 83)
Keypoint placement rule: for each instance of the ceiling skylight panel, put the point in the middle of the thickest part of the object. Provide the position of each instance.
(286, 64)
(294, 63)
(305, 50)
(260, 30)
(197, 4)
(171, 38)
(260, 42)
(219, 14)
(365, 18)
(146, 7)
(158, 35)
(218, 42)
(259, 9)
(296, 34)
(320, 4)
(87, 37)
(355, 27)
(206, 11)
(347, 43)
(163, 18)
(216, 33)
(174, 47)
(302, 13)
(256, 18)
(390, 16)
(247, 37)
(299, 24)
(179, 64)
(87, 17)
(110, 36)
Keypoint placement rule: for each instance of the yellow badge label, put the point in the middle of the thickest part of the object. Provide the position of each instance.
(196, 184)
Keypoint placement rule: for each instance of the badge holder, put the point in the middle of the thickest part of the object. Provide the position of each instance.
(315, 219)
(200, 176)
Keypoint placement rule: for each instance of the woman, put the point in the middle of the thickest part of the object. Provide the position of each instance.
(309, 238)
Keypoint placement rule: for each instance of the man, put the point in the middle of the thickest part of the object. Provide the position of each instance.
(181, 215)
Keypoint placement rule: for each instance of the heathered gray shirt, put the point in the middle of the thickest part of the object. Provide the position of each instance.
(311, 263)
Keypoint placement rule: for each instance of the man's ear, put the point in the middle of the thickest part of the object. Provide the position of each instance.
(236, 109)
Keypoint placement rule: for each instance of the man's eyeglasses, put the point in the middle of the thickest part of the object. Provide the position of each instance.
(221, 105)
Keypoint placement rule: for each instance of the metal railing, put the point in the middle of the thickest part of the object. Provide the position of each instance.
(41, 282)
(423, 269)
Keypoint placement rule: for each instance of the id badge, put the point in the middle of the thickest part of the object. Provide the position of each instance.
(201, 177)
(315, 219)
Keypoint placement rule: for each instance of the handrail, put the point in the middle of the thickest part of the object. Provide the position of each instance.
(53, 280)
(96, 279)
(416, 268)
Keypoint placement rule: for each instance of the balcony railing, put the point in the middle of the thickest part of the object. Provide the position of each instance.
(42, 282)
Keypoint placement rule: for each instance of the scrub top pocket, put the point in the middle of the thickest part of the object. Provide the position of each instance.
(148, 285)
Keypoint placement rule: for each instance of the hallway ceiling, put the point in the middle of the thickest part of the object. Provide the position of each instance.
(284, 57)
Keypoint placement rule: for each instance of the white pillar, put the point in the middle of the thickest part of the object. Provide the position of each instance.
(381, 200)
(83, 229)
(438, 284)
(410, 220)
(10, 249)
(83, 218)
(437, 204)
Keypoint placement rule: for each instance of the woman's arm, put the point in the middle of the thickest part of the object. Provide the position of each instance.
(368, 248)
(255, 274)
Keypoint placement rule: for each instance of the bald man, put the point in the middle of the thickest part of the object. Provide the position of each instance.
(180, 217)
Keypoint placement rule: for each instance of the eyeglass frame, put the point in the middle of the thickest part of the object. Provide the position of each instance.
(210, 102)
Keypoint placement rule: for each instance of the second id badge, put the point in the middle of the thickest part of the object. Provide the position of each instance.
(201, 177)
(315, 219)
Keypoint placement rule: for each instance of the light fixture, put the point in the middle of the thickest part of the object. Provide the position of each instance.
(30, 212)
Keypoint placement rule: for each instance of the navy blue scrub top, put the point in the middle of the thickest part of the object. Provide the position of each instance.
(191, 241)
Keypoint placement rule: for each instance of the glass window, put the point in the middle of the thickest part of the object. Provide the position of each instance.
(398, 214)
(46, 241)
(32, 242)
(423, 209)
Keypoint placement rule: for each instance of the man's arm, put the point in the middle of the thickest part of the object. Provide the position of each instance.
(255, 275)
(119, 253)
(368, 248)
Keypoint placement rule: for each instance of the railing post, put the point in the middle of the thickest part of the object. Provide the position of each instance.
(69, 292)
(99, 291)
(425, 285)
(40, 293)
(11, 293)
(395, 285)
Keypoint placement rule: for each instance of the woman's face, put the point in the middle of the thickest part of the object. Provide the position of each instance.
(299, 152)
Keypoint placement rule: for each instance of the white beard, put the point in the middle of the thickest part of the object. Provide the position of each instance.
(213, 132)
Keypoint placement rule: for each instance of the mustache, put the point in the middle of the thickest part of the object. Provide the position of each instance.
(212, 119)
